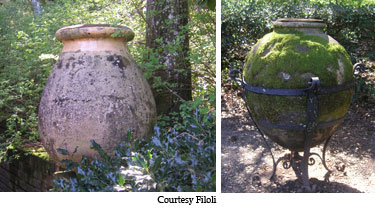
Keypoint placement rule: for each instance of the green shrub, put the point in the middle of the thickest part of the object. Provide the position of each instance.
(25, 63)
(96, 174)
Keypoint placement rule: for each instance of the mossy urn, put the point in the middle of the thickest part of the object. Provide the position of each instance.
(288, 58)
(94, 92)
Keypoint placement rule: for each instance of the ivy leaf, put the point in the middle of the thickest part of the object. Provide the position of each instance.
(121, 180)
(95, 146)
(156, 141)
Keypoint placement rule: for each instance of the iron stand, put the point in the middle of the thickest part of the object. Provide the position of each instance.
(312, 93)
(293, 159)
(306, 159)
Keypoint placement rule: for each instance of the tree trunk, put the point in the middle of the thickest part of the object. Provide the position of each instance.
(167, 34)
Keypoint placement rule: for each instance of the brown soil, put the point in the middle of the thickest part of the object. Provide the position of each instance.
(247, 163)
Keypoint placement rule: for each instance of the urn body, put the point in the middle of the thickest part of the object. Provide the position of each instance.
(94, 92)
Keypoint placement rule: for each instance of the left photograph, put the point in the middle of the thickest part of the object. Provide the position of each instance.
(100, 95)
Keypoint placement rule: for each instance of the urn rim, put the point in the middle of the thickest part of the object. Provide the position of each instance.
(298, 23)
(94, 31)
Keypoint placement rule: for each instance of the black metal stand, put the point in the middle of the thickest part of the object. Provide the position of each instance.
(294, 159)
(301, 164)
(311, 92)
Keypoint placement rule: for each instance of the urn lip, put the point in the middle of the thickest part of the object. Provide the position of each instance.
(94, 31)
(298, 23)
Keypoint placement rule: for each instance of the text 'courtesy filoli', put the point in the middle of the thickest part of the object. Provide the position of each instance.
(187, 200)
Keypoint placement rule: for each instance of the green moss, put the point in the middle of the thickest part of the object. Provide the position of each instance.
(38, 152)
(298, 56)
(334, 106)
(277, 109)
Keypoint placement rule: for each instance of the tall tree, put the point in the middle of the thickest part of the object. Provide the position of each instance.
(167, 34)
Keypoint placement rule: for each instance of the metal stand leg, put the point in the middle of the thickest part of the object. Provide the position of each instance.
(286, 164)
(324, 154)
(312, 113)
(299, 163)
(304, 164)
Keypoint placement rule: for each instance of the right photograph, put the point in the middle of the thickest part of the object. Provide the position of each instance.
(298, 96)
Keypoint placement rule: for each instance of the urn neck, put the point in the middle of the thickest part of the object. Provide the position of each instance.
(98, 37)
(95, 44)
(306, 26)
(298, 23)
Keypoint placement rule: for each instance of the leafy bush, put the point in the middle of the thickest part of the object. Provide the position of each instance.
(179, 159)
(95, 174)
(24, 67)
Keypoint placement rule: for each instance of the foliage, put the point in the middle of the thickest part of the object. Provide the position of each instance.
(210, 4)
(23, 72)
(203, 51)
(29, 49)
(184, 158)
(99, 174)
(365, 85)
(179, 159)
(243, 22)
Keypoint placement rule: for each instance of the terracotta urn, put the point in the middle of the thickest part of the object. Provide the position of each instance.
(94, 92)
(287, 58)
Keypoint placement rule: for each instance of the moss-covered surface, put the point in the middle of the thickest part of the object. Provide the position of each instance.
(277, 109)
(297, 56)
(334, 106)
(39, 152)
(287, 59)
(292, 109)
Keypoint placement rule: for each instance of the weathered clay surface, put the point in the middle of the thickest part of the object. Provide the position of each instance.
(94, 94)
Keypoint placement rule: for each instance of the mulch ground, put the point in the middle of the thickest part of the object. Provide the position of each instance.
(246, 163)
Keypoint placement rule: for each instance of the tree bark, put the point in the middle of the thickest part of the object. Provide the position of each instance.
(167, 34)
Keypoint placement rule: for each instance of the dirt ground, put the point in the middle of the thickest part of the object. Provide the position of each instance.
(246, 163)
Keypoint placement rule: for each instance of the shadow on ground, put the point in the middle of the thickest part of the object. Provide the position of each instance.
(317, 186)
